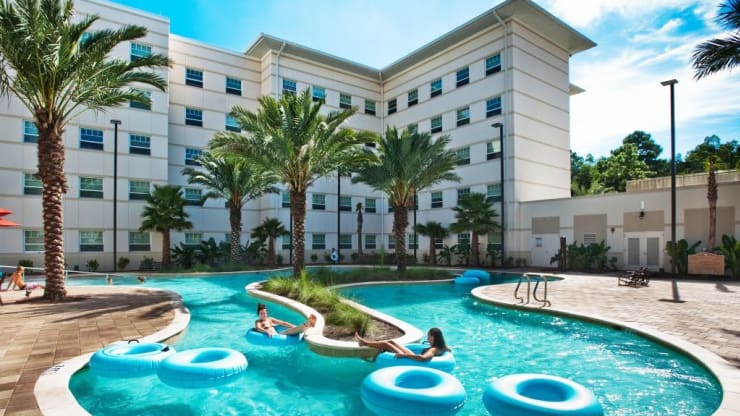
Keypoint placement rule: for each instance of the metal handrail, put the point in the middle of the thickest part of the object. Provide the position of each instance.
(544, 301)
(533, 293)
(518, 285)
(66, 272)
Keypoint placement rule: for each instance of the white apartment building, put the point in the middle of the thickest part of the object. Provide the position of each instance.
(510, 65)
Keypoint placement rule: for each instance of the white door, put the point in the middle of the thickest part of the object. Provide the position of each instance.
(544, 247)
(643, 250)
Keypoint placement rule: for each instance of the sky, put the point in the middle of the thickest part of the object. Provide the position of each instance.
(639, 44)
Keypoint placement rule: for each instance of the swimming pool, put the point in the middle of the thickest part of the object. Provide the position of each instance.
(629, 375)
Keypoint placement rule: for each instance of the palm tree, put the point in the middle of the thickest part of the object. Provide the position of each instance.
(269, 230)
(58, 67)
(475, 214)
(435, 231)
(235, 180)
(165, 211)
(358, 208)
(712, 195)
(409, 162)
(289, 137)
(719, 54)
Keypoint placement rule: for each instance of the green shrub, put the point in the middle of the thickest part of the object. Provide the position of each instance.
(92, 265)
(731, 250)
(146, 263)
(679, 254)
(123, 263)
(25, 263)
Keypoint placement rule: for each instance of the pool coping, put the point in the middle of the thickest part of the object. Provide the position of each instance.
(727, 375)
(52, 393)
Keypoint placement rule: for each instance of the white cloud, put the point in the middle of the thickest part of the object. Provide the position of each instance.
(585, 13)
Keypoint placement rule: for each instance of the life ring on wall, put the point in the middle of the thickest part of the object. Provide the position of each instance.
(334, 256)
(445, 362)
(278, 340)
(129, 360)
(482, 275)
(202, 367)
(406, 390)
(539, 395)
(467, 280)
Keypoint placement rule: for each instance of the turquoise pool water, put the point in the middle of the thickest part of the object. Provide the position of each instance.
(629, 375)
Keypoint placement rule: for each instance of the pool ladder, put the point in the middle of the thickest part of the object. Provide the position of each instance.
(528, 277)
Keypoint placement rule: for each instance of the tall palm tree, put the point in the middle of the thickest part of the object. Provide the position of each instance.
(58, 67)
(269, 230)
(165, 211)
(409, 162)
(289, 137)
(474, 213)
(235, 180)
(358, 208)
(435, 231)
(719, 54)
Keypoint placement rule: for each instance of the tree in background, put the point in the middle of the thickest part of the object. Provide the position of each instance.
(582, 176)
(623, 164)
(435, 231)
(649, 152)
(165, 211)
(269, 230)
(474, 213)
(719, 54)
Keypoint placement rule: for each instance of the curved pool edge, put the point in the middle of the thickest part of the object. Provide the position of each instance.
(322, 345)
(51, 390)
(727, 376)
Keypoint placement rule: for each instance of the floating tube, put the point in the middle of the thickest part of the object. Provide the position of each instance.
(278, 340)
(539, 395)
(202, 367)
(482, 275)
(407, 391)
(467, 280)
(445, 362)
(129, 360)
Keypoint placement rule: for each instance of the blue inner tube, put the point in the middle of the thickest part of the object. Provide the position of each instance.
(445, 362)
(129, 360)
(202, 367)
(482, 275)
(539, 395)
(467, 280)
(406, 391)
(278, 340)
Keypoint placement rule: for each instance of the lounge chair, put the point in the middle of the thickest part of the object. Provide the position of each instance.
(635, 278)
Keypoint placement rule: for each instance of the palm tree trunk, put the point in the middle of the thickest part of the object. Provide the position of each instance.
(432, 251)
(270, 251)
(400, 223)
(235, 219)
(51, 171)
(166, 247)
(712, 198)
(474, 249)
(298, 203)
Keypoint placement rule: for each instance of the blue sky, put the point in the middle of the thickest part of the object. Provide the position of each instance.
(640, 44)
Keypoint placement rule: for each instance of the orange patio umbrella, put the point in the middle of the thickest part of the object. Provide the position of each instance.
(4, 222)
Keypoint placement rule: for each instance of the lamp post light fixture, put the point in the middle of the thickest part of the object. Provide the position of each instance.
(339, 213)
(115, 124)
(500, 127)
(671, 83)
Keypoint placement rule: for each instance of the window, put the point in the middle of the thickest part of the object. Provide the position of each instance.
(193, 117)
(138, 190)
(493, 150)
(286, 199)
(318, 201)
(463, 156)
(463, 116)
(437, 199)
(33, 240)
(370, 205)
(370, 107)
(139, 241)
(289, 86)
(231, 124)
(391, 241)
(436, 124)
(463, 238)
(463, 77)
(436, 87)
(318, 241)
(345, 101)
(345, 241)
(318, 93)
(413, 128)
(413, 97)
(91, 139)
(392, 106)
(493, 64)
(461, 192)
(439, 243)
(370, 241)
(91, 188)
(413, 240)
(493, 106)
(139, 145)
(494, 241)
(493, 192)
(139, 51)
(193, 196)
(91, 241)
(345, 203)
(140, 105)
(233, 86)
(30, 132)
(193, 239)
(191, 156)
(287, 243)
(32, 184)
(193, 77)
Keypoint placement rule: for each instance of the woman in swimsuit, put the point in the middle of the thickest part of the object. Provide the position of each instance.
(266, 324)
(434, 337)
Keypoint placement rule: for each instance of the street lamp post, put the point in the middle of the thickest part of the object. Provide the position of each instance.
(672, 83)
(339, 213)
(115, 124)
(500, 127)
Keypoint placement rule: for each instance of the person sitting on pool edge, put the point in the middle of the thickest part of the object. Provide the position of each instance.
(266, 324)
(16, 280)
(434, 337)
